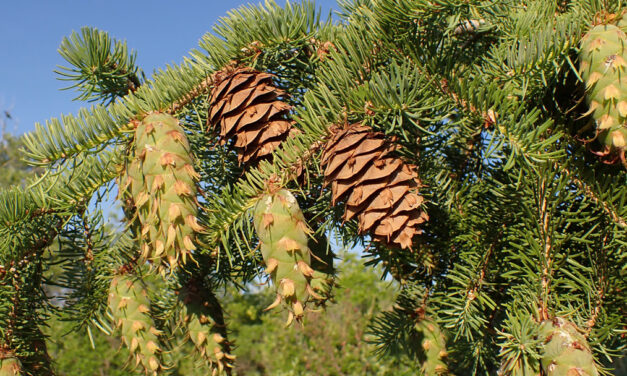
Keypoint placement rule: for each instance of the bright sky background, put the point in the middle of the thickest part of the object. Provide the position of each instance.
(160, 31)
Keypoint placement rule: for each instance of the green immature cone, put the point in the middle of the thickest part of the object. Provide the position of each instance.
(204, 323)
(10, 366)
(160, 181)
(434, 346)
(283, 235)
(130, 308)
(603, 67)
(565, 351)
(622, 22)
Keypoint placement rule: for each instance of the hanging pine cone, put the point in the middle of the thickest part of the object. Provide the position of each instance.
(202, 316)
(565, 350)
(130, 308)
(603, 65)
(245, 106)
(10, 365)
(283, 236)
(160, 182)
(378, 187)
(434, 346)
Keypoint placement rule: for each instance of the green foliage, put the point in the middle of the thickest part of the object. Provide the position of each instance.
(484, 97)
(102, 68)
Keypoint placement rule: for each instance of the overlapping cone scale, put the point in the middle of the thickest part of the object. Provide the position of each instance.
(130, 308)
(378, 188)
(245, 106)
(565, 351)
(434, 346)
(160, 181)
(205, 327)
(603, 67)
(283, 235)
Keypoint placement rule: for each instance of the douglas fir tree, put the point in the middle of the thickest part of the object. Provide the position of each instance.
(476, 149)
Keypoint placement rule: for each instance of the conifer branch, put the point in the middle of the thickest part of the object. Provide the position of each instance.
(594, 196)
(601, 284)
(200, 89)
(547, 257)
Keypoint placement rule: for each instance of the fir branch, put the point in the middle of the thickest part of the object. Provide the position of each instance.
(186, 99)
(601, 285)
(103, 69)
(590, 192)
(547, 257)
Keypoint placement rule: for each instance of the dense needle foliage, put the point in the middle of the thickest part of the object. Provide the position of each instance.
(513, 187)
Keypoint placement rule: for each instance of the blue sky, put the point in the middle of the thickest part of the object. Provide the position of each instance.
(31, 30)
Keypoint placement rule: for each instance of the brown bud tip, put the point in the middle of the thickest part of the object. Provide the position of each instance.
(287, 287)
(271, 265)
(290, 319)
(157, 183)
(201, 337)
(288, 244)
(611, 92)
(152, 347)
(137, 326)
(174, 211)
(123, 303)
(153, 363)
(189, 244)
(305, 269)
(192, 222)
(189, 169)
(275, 303)
(268, 219)
(134, 344)
(182, 189)
(218, 338)
(159, 248)
(606, 121)
(298, 309)
(426, 344)
(176, 135)
(618, 139)
(167, 159)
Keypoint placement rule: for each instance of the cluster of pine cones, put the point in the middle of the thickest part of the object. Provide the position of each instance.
(247, 108)
(361, 168)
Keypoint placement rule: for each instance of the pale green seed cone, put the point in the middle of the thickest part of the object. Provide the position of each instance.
(565, 351)
(284, 236)
(161, 183)
(603, 67)
(10, 366)
(204, 323)
(434, 346)
(130, 308)
(622, 22)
